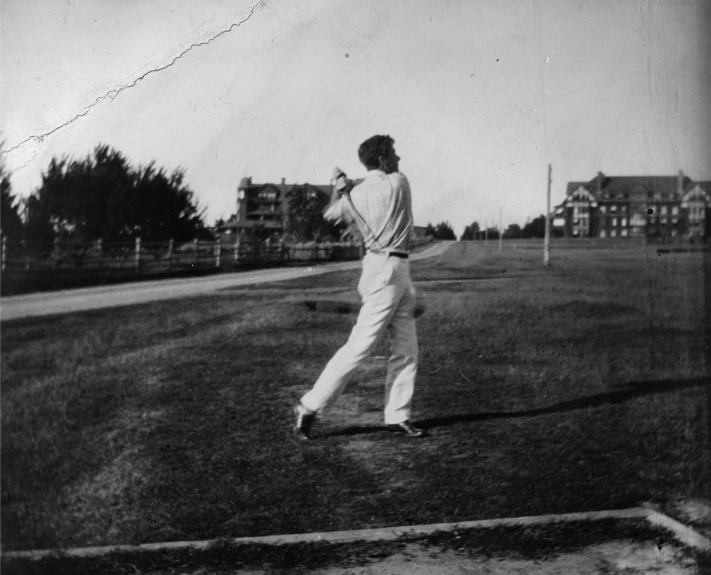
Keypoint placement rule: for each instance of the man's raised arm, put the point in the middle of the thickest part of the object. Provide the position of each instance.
(336, 210)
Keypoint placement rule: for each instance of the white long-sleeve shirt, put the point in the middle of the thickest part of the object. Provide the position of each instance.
(384, 205)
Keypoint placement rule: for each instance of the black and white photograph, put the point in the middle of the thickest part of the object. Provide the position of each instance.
(355, 287)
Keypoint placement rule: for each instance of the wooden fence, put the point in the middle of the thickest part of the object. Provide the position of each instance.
(27, 267)
(142, 256)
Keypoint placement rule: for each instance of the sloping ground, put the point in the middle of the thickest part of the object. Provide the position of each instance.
(610, 546)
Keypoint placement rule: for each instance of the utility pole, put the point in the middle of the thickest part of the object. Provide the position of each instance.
(501, 227)
(547, 237)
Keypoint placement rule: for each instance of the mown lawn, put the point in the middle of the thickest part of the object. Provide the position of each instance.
(570, 388)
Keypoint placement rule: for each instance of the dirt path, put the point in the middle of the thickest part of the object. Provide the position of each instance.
(67, 301)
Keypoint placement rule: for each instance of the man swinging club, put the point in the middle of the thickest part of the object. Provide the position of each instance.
(381, 206)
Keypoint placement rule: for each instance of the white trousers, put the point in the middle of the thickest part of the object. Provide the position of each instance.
(388, 303)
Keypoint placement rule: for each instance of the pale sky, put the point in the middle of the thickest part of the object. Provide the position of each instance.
(480, 96)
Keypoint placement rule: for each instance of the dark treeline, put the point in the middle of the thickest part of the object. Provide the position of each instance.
(442, 231)
(536, 228)
(103, 197)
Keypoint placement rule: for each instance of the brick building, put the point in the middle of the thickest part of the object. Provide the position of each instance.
(634, 206)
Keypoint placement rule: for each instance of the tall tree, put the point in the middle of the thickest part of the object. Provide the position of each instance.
(11, 222)
(513, 231)
(444, 231)
(536, 228)
(492, 233)
(470, 232)
(306, 221)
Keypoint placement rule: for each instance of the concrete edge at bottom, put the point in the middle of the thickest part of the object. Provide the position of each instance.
(684, 534)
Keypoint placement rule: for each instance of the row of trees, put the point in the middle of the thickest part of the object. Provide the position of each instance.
(443, 231)
(536, 228)
(103, 197)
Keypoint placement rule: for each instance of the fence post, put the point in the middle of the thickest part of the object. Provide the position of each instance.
(27, 256)
(100, 249)
(237, 248)
(138, 253)
(282, 250)
(4, 251)
(196, 243)
(218, 250)
(55, 251)
(170, 254)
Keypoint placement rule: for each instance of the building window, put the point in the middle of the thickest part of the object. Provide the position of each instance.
(664, 210)
(696, 212)
(602, 233)
(603, 209)
(613, 233)
(614, 221)
(613, 208)
(623, 233)
(624, 221)
(623, 208)
(675, 210)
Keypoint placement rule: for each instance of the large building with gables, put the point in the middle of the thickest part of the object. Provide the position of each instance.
(635, 206)
(265, 206)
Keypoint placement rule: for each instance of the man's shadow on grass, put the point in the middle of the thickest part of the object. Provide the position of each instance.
(624, 393)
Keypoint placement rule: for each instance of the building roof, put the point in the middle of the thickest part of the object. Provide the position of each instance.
(283, 187)
(634, 188)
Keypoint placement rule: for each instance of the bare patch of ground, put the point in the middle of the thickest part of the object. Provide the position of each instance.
(617, 557)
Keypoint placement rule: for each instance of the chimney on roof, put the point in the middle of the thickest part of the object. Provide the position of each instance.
(600, 178)
(283, 181)
(680, 183)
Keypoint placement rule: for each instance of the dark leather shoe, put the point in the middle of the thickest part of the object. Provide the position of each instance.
(304, 421)
(406, 429)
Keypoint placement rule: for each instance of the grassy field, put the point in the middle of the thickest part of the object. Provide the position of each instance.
(570, 388)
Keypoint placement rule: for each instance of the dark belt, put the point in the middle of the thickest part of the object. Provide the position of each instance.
(394, 254)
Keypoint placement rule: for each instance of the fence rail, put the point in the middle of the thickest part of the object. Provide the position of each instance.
(142, 256)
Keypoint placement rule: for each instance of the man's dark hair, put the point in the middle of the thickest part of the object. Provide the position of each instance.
(370, 151)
